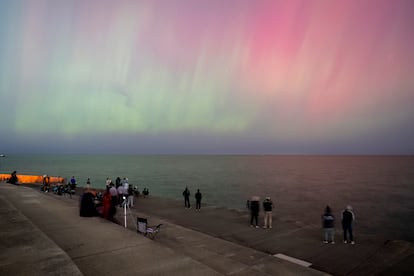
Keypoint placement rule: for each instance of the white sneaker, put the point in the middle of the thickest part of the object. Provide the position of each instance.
(325, 241)
(345, 241)
(352, 242)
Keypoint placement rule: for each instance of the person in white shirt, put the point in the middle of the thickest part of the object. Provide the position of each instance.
(108, 181)
(125, 184)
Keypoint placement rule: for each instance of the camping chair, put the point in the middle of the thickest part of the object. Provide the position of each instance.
(148, 231)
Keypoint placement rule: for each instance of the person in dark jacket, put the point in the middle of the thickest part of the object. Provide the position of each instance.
(186, 195)
(268, 206)
(254, 211)
(13, 178)
(348, 218)
(198, 197)
(87, 205)
(328, 226)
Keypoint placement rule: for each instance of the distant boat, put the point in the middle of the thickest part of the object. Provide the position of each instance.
(2, 155)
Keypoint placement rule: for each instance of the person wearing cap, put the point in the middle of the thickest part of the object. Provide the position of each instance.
(347, 219)
(267, 206)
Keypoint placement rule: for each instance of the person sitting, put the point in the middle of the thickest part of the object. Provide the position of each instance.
(87, 205)
(136, 191)
(13, 178)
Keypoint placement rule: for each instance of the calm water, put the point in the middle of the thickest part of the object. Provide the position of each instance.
(380, 189)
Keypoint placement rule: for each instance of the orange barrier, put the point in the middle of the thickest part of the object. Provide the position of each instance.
(31, 179)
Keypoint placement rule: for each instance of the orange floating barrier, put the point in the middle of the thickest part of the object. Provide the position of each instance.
(32, 179)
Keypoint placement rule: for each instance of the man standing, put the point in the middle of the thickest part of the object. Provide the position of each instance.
(186, 195)
(198, 197)
(114, 194)
(121, 192)
(108, 181)
(88, 183)
(328, 226)
(348, 218)
(254, 211)
(72, 185)
(268, 206)
(125, 184)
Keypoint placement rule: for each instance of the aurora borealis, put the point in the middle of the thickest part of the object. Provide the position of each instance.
(207, 76)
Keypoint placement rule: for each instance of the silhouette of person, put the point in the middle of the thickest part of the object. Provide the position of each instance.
(254, 211)
(348, 218)
(198, 197)
(268, 206)
(328, 226)
(13, 178)
(186, 195)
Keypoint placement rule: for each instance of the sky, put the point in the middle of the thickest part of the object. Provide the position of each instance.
(207, 76)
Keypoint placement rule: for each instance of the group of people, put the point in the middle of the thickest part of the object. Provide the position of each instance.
(328, 225)
(120, 193)
(254, 206)
(198, 196)
(328, 219)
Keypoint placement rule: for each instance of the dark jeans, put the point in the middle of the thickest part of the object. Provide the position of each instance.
(187, 202)
(348, 229)
(254, 217)
(198, 204)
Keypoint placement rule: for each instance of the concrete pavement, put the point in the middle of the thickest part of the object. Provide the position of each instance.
(42, 234)
(371, 255)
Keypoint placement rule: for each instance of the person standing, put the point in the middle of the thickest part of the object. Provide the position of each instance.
(114, 197)
(268, 207)
(348, 218)
(88, 183)
(198, 197)
(106, 203)
(186, 195)
(72, 186)
(254, 211)
(130, 198)
(328, 226)
(125, 184)
(117, 182)
(121, 192)
(108, 181)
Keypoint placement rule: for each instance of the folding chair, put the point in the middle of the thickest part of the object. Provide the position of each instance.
(148, 231)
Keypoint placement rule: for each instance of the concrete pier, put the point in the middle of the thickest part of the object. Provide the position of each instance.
(42, 233)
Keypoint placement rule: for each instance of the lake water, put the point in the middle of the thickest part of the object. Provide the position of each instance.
(380, 188)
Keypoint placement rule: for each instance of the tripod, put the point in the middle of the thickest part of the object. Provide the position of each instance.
(126, 206)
